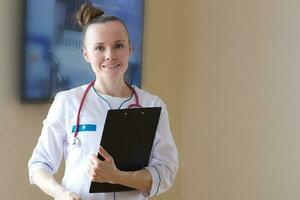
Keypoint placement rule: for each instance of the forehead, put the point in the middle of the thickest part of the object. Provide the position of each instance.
(106, 32)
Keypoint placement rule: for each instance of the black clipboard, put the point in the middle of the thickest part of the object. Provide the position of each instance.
(128, 136)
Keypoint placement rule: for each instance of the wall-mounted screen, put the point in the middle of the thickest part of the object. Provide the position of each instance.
(52, 57)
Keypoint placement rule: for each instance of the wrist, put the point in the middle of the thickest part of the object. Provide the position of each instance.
(120, 177)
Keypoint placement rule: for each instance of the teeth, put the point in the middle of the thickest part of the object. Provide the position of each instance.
(113, 66)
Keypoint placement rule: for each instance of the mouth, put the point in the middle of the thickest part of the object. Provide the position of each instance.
(111, 66)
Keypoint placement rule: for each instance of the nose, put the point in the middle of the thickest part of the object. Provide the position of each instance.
(110, 54)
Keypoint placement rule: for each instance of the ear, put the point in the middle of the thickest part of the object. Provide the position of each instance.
(85, 55)
(130, 50)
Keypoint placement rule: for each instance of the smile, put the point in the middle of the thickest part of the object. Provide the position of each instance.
(111, 66)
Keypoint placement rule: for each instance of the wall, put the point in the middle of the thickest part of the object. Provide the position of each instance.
(160, 62)
(21, 124)
(228, 71)
(240, 103)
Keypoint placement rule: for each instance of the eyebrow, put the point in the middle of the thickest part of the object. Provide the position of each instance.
(120, 41)
(101, 43)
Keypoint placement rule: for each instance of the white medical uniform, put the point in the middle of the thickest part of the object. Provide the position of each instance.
(57, 137)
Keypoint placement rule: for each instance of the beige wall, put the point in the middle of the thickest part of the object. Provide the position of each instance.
(228, 71)
(20, 124)
(240, 103)
(160, 67)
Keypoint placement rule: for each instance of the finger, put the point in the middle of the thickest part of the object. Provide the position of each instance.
(94, 159)
(92, 174)
(93, 162)
(75, 196)
(90, 170)
(104, 153)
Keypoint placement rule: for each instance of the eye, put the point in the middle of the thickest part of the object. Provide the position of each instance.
(100, 48)
(119, 46)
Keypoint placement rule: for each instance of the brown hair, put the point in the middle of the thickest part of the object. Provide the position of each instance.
(89, 14)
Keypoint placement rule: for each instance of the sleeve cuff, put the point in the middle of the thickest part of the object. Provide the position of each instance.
(38, 165)
(156, 180)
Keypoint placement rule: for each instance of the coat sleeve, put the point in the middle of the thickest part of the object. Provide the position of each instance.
(163, 163)
(50, 146)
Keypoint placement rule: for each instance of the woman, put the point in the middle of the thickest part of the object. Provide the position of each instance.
(106, 46)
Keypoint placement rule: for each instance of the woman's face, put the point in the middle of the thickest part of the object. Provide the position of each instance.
(107, 49)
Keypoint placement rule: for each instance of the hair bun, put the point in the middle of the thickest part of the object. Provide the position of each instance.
(87, 13)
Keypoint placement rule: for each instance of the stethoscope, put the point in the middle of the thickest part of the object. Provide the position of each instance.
(76, 140)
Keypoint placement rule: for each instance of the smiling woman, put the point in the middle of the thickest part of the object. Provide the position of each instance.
(106, 47)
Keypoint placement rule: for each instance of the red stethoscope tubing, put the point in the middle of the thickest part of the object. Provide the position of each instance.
(135, 105)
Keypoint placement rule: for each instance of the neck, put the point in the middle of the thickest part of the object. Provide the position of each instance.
(113, 88)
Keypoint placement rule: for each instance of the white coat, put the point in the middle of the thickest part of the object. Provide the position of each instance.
(56, 140)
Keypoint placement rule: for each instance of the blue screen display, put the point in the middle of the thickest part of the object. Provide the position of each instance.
(53, 60)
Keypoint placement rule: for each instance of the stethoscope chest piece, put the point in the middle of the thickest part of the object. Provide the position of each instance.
(76, 142)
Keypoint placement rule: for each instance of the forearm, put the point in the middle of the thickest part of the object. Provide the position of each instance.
(140, 179)
(47, 183)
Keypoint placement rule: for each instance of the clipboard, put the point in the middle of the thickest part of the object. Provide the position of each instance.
(128, 136)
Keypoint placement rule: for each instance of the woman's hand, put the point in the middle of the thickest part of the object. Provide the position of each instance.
(103, 171)
(106, 171)
(45, 180)
(67, 195)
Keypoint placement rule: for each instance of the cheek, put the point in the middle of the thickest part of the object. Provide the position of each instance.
(96, 59)
(124, 55)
